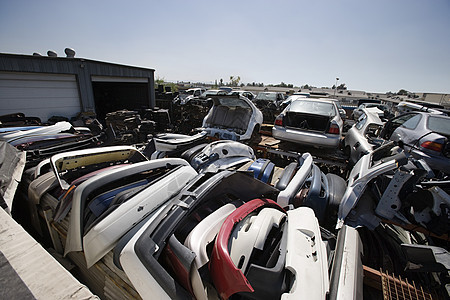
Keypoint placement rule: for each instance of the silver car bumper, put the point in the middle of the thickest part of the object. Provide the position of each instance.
(306, 137)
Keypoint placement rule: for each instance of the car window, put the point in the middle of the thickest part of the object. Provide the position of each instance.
(197, 93)
(313, 107)
(402, 119)
(233, 102)
(372, 130)
(411, 123)
(439, 124)
(361, 121)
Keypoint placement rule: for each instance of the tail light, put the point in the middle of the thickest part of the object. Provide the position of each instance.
(279, 121)
(432, 146)
(334, 129)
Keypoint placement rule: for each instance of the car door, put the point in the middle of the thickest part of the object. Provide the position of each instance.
(393, 124)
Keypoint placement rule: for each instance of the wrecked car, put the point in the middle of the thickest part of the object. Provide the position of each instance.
(362, 136)
(314, 122)
(233, 118)
(424, 135)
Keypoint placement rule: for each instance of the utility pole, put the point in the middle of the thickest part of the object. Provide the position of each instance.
(335, 86)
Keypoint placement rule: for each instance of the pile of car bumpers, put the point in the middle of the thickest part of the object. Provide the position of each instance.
(188, 218)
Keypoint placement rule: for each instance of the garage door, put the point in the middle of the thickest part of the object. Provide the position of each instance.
(39, 95)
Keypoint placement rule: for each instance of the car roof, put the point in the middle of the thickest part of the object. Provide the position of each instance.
(322, 100)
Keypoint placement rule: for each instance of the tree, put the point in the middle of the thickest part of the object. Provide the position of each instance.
(221, 81)
(402, 92)
(234, 80)
(342, 86)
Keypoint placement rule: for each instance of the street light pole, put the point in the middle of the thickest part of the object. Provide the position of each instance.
(335, 86)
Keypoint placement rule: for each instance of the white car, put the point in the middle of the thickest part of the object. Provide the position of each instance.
(246, 94)
(233, 118)
(376, 108)
(188, 95)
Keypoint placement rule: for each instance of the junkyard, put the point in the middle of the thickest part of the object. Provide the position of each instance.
(228, 192)
(199, 200)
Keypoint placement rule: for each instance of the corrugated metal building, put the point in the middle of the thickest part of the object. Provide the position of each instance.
(46, 86)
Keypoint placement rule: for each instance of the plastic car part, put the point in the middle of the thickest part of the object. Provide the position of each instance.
(190, 153)
(65, 200)
(229, 279)
(286, 177)
(285, 196)
(143, 279)
(262, 169)
(74, 234)
(306, 255)
(268, 276)
(317, 197)
(172, 141)
(40, 186)
(198, 240)
(224, 164)
(346, 276)
(41, 168)
(251, 233)
(424, 258)
(206, 190)
(56, 128)
(102, 236)
(12, 164)
(219, 150)
(75, 159)
(366, 169)
(205, 232)
(100, 204)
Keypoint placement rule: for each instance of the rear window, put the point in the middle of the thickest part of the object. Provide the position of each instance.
(439, 124)
(231, 101)
(313, 107)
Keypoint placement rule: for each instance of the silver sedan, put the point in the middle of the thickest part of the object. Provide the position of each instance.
(313, 122)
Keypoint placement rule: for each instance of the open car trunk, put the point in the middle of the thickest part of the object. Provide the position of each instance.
(230, 117)
(307, 121)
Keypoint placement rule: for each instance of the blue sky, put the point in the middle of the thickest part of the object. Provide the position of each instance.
(376, 46)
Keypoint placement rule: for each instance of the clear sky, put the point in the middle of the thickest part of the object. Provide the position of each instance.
(376, 46)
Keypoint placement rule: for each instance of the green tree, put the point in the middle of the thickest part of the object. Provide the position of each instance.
(342, 86)
(234, 80)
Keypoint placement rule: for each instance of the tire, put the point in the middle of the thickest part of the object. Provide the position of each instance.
(256, 136)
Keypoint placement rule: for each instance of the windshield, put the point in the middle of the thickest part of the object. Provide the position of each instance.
(267, 96)
(439, 124)
(313, 107)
